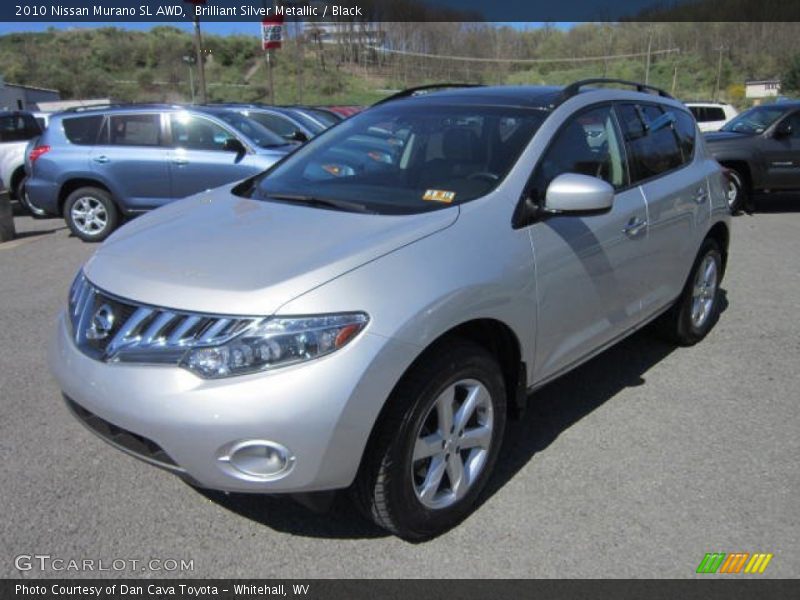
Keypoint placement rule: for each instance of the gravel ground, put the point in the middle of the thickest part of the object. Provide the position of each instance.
(635, 465)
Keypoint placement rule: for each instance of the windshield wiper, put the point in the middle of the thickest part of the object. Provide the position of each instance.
(320, 202)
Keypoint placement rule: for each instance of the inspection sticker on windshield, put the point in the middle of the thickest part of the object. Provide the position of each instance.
(439, 196)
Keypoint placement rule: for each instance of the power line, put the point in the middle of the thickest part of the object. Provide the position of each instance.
(524, 60)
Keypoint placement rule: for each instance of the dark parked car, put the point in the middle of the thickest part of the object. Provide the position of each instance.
(761, 150)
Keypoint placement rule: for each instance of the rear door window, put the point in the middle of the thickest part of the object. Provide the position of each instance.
(650, 140)
(136, 130)
(83, 130)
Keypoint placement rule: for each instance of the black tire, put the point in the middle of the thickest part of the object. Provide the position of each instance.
(95, 197)
(677, 325)
(385, 486)
(738, 184)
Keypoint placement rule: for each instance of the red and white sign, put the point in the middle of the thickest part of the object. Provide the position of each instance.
(272, 32)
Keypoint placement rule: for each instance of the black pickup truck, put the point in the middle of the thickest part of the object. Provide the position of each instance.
(761, 150)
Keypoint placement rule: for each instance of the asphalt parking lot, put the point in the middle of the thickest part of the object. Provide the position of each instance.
(635, 465)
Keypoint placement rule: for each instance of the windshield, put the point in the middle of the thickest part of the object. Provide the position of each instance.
(406, 159)
(312, 125)
(756, 120)
(323, 116)
(256, 132)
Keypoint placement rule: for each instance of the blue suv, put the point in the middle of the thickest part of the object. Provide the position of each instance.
(97, 165)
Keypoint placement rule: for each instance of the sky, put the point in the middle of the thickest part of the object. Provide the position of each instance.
(219, 28)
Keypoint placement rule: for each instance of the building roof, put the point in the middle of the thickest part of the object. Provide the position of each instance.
(28, 87)
(59, 105)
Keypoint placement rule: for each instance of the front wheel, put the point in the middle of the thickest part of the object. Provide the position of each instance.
(736, 194)
(91, 214)
(436, 444)
(697, 308)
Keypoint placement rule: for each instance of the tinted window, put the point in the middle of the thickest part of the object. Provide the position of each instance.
(650, 140)
(309, 123)
(197, 133)
(588, 145)
(706, 114)
(794, 122)
(253, 130)
(83, 130)
(324, 116)
(714, 113)
(136, 130)
(279, 125)
(685, 128)
(407, 159)
(18, 128)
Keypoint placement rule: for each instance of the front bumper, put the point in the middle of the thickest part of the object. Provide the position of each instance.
(321, 411)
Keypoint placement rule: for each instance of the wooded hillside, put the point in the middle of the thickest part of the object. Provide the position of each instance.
(149, 65)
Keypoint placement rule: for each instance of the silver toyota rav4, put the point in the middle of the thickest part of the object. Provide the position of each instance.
(368, 312)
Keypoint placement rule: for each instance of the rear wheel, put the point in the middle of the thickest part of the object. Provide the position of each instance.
(91, 214)
(697, 309)
(21, 194)
(436, 444)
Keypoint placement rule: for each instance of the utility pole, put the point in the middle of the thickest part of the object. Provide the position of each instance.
(674, 79)
(299, 33)
(647, 67)
(198, 50)
(201, 69)
(189, 60)
(719, 73)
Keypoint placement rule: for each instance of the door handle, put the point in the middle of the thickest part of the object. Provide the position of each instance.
(634, 227)
(180, 161)
(701, 196)
(102, 159)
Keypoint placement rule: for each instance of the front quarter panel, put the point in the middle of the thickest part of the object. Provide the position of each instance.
(479, 268)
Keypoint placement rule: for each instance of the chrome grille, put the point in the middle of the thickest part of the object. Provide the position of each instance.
(112, 329)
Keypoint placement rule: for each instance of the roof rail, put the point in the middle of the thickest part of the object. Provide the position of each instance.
(573, 88)
(75, 109)
(421, 89)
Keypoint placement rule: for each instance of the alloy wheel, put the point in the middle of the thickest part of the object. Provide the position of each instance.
(89, 215)
(452, 444)
(704, 292)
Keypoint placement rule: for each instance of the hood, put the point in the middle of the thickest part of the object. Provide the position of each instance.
(725, 136)
(219, 253)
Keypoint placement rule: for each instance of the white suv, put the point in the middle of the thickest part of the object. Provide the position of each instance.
(711, 116)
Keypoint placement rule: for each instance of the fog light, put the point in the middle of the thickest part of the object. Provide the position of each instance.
(258, 459)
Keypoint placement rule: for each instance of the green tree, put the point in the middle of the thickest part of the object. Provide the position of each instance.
(790, 81)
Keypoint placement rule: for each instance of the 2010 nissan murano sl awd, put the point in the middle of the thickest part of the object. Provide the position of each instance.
(368, 312)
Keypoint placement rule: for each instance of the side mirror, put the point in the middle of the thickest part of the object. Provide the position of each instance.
(297, 136)
(572, 193)
(234, 145)
(783, 129)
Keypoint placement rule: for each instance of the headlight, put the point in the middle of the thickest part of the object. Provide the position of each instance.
(275, 342)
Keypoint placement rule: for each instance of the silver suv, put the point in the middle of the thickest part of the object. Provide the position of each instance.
(368, 312)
